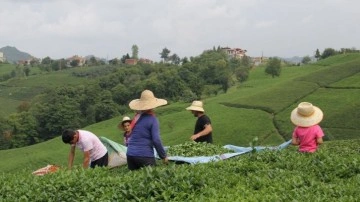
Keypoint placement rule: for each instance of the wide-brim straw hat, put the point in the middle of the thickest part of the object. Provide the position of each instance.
(147, 101)
(196, 106)
(306, 115)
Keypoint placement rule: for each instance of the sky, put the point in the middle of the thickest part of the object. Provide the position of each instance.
(109, 28)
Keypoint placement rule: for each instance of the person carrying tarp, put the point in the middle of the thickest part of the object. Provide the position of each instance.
(95, 153)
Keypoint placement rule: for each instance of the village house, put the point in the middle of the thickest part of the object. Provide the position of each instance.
(235, 52)
(131, 61)
(145, 61)
(81, 61)
(2, 57)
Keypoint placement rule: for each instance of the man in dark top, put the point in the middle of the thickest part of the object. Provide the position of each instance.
(203, 129)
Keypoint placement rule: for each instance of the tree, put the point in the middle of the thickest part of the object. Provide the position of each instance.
(328, 52)
(165, 54)
(46, 61)
(184, 60)
(317, 54)
(175, 59)
(306, 60)
(93, 61)
(27, 70)
(124, 57)
(273, 67)
(135, 51)
(114, 61)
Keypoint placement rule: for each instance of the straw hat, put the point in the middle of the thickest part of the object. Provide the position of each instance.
(196, 106)
(147, 101)
(306, 115)
(125, 119)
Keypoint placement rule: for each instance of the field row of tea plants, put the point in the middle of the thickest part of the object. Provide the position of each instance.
(330, 174)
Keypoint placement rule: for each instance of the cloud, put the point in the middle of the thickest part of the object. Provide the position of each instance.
(108, 28)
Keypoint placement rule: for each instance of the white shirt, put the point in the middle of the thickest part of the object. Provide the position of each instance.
(88, 141)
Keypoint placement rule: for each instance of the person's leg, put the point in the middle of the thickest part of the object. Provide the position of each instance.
(101, 162)
(135, 163)
(132, 163)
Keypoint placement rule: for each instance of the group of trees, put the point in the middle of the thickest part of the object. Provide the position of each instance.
(108, 95)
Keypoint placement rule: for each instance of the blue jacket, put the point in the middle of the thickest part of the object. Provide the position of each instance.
(145, 136)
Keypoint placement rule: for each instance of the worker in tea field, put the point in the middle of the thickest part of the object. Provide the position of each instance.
(95, 153)
(125, 126)
(145, 134)
(307, 133)
(203, 128)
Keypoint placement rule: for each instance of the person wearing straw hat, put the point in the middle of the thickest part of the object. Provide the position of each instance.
(203, 128)
(307, 133)
(125, 126)
(145, 134)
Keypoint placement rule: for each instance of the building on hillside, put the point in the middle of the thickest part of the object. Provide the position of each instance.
(131, 61)
(27, 61)
(259, 60)
(2, 57)
(81, 61)
(145, 60)
(235, 52)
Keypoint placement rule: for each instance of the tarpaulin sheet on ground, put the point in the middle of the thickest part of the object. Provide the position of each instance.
(116, 152)
(237, 151)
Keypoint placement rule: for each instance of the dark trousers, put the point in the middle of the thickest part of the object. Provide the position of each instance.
(136, 162)
(101, 162)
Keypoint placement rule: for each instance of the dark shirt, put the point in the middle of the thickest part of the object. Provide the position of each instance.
(145, 136)
(199, 126)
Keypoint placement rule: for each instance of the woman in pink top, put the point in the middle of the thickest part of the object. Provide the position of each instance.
(307, 133)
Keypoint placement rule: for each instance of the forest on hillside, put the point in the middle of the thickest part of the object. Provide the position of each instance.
(111, 87)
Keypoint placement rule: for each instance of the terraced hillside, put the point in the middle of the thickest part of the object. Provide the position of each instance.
(259, 108)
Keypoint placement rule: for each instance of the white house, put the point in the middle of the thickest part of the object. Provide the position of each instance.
(2, 57)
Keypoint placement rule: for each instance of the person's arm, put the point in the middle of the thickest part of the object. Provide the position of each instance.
(86, 159)
(71, 156)
(319, 140)
(207, 130)
(295, 141)
(155, 135)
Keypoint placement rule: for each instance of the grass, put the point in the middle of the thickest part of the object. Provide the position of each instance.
(259, 108)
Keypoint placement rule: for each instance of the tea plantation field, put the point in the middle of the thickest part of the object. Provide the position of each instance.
(259, 108)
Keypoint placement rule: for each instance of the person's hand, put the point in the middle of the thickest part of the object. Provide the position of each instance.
(194, 137)
(165, 160)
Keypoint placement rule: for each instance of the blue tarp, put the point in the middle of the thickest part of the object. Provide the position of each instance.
(237, 151)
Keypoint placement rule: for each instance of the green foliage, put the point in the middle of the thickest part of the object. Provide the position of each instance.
(135, 51)
(330, 174)
(306, 60)
(273, 67)
(196, 149)
(328, 52)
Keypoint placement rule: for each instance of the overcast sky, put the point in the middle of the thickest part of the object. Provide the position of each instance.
(109, 28)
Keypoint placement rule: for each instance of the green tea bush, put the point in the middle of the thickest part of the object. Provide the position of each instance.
(330, 174)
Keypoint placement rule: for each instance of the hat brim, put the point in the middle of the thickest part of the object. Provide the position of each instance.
(122, 122)
(194, 108)
(306, 121)
(137, 104)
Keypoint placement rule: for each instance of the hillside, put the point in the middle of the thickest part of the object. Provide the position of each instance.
(258, 108)
(13, 55)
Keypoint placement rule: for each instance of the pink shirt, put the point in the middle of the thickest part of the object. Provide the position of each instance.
(307, 137)
(88, 141)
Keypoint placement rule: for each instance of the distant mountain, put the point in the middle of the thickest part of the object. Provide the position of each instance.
(297, 59)
(13, 55)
